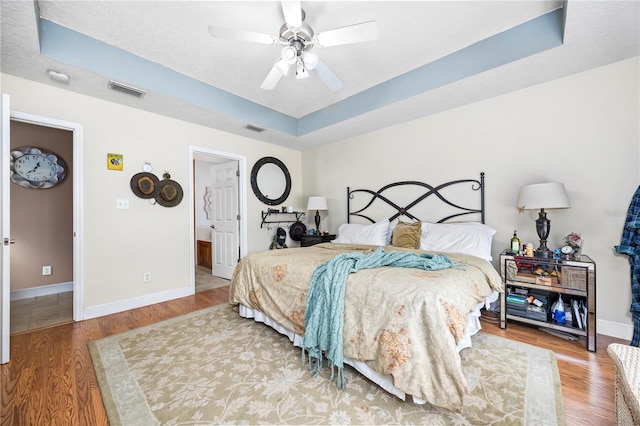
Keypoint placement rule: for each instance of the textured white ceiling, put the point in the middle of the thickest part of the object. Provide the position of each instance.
(412, 34)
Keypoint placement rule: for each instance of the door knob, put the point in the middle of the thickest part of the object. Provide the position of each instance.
(8, 241)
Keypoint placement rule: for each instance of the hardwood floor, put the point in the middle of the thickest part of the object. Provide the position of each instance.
(50, 379)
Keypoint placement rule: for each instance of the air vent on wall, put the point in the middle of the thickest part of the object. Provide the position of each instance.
(254, 128)
(125, 88)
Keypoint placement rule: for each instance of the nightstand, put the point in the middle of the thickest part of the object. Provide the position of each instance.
(310, 240)
(543, 281)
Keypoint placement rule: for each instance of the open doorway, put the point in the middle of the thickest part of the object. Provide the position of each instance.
(217, 204)
(41, 265)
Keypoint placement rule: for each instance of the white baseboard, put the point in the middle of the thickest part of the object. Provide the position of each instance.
(43, 290)
(136, 302)
(615, 329)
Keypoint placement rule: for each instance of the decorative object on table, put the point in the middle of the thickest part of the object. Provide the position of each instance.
(297, 230)
(528, 250)
(145, 185)
(572, 244)
(557, 254)
(115, 162)
(515, 243)
(36, 168)
(170, 192)
(543, 196)
(317, 203)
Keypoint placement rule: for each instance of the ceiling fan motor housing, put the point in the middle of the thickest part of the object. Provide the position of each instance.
(298, 38)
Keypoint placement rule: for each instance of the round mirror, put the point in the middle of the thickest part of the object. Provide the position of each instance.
(270, 181)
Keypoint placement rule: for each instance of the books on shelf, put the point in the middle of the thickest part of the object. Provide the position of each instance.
(537, 304)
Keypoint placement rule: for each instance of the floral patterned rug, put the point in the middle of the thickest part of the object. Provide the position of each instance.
(212, 367)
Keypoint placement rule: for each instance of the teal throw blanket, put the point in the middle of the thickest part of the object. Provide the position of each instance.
(324, 317)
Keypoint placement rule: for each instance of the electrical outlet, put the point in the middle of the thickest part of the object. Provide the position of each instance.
(122, 204)
(46, 270)
(146, 277)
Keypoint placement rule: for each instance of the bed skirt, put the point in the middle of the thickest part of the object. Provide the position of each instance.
(384, 381)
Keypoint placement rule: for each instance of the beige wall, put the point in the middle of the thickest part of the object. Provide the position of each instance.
(582, 130)
(42, 219)
(120, 245)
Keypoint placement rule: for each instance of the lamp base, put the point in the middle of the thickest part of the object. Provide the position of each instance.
(543, 254)
(543, 227)
(317, 218)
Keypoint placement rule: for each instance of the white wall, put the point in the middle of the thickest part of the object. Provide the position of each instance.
(120, 245)
(582, 130)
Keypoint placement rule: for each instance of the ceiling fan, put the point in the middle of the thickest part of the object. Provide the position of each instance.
(297, 39)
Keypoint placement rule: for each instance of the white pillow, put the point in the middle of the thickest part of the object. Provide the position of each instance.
(374, 234)
(467, 238)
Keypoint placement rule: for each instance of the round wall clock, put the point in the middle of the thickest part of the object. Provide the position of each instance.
(37, 168)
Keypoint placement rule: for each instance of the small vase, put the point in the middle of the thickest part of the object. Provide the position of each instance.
(577, 250)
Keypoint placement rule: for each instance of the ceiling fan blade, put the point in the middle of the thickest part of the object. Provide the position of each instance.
(327, 76)
(280, 69)
(292, 13)
(242, 35)
(356, 33)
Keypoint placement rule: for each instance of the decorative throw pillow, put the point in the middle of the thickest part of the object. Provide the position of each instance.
(406, 235)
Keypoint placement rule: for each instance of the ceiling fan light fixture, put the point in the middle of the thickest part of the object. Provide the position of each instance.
(289, 55)
(310, 60)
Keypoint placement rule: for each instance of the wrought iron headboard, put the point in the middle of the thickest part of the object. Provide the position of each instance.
(475, 185)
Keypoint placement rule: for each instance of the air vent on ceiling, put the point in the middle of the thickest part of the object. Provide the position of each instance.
(125, 88)
(254, 128)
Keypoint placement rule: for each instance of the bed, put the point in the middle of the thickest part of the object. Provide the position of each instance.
(403, 327)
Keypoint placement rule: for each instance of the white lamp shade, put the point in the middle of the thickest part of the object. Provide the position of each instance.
(543, 196)
(317, 203)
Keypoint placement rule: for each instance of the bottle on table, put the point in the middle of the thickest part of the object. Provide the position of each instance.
(515, 243)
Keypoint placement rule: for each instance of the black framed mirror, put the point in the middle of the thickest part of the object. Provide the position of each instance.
(270, 181)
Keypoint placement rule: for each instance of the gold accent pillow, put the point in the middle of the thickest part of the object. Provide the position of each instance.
(407, 235)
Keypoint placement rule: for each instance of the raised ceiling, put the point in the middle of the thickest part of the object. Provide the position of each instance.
(430, 56)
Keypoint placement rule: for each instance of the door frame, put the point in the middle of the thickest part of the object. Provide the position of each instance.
(242, 203)
(77, 131)
(5, 225)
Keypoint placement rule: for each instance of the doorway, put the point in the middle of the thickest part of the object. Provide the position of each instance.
(5, 208)
(219, 224)
(41, 265)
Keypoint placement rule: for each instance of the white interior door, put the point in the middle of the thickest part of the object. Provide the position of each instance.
(225, 230)
(5, 227)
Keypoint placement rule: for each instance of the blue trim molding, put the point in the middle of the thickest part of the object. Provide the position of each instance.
(535, 36)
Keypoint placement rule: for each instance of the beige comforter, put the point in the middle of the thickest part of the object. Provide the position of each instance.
(402, 322)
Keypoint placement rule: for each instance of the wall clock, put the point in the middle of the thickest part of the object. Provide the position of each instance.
(37, 168)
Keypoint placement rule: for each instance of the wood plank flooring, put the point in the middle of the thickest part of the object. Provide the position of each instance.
(50, 379)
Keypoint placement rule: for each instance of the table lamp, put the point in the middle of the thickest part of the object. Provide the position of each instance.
(543, 196)
(317, 204)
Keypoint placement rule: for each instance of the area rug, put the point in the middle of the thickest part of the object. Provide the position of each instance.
(214, 367)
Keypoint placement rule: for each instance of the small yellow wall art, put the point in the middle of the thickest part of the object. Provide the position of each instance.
(114, 161)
